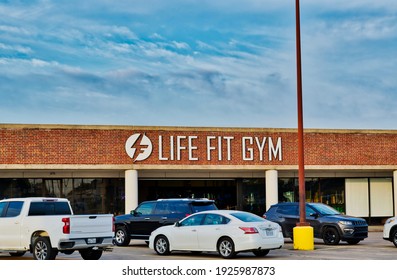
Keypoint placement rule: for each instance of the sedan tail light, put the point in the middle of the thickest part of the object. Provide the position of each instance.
(249, 230)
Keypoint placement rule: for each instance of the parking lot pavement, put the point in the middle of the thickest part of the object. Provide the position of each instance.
(372, 248)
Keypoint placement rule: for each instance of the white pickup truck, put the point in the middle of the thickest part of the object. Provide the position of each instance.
(46, 226)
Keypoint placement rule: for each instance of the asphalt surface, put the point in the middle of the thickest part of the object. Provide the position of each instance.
(372, 248)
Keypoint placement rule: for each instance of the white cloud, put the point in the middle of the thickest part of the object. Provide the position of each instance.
(199, 62)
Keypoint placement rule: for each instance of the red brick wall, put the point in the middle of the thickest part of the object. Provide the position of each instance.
(21, 144)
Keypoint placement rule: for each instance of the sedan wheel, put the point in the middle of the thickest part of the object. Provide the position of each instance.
(331, 236)
(394, 237)
(260, 253)
(226, 248)
(161, 245)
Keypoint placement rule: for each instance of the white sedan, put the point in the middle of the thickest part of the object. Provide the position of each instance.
(224, 231)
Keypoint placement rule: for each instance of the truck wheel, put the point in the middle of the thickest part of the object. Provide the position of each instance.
(67, 252)
(393, 237)
(42, 249)
(121, 237)
(90, 254)
(17, 253)
(331, 236)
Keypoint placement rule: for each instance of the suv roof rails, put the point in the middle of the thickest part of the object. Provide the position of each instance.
(184, 199)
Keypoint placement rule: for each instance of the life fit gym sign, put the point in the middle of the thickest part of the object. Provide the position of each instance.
(140, 147)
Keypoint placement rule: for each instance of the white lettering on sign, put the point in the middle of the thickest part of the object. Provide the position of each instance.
(274, 151)
(161, 157)
(192, 148)
(221, 140)
(220, 148)
(209, 147)
(248, 153)
(261, 146)
(177, 147)
(249, 148)
(229, 146)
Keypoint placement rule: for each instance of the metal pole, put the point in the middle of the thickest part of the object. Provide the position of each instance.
(302, 194)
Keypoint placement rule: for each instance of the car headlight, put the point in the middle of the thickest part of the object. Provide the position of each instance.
(390, 220)
(346, 223)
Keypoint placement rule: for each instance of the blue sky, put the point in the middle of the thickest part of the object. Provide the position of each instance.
(223, 63)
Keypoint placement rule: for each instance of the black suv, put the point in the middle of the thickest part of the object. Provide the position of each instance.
(150, 215)
(328, 224)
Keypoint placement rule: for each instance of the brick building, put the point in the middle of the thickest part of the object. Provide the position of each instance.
(106, 169)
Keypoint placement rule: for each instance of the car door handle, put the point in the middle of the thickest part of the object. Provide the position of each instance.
(194, 230)
(147, 218)
(164, 218)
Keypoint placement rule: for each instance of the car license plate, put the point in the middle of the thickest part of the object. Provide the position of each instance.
(269, 232)
(91, 240)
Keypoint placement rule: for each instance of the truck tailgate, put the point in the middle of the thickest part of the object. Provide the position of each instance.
(91, 225)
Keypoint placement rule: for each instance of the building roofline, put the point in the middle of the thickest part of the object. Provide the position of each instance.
(190, 128)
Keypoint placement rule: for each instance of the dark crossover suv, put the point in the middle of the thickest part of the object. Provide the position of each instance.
(328, 224)
(150, 215)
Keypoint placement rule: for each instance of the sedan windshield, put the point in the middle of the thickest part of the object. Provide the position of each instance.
(325, 209)
(247, 217)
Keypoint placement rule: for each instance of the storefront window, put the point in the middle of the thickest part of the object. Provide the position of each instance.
(222, 191)
(10, 188)
(253, 193)
(288, 190)
(330, 191)
(87, 196)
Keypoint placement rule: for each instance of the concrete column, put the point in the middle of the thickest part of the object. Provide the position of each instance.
(131, 190)
(271, 188)
(395, 191)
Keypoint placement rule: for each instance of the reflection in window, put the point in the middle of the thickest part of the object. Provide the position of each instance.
(86, 195)
(214, 219)
(14, 209)
(146, 208)
(192, 220)
(330, 191)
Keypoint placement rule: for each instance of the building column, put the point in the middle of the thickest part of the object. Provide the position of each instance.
(271, 188)
(131, 190)
(395, 191)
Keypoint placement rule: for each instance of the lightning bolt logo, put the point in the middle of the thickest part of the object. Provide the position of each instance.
(141, 143)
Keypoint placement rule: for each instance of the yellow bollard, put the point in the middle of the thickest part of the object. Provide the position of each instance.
(303, 238)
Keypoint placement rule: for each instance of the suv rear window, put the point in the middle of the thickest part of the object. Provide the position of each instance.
(288, 210)
(49, 208)
(203, 206)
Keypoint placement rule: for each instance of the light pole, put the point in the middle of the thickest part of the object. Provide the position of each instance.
(303, 233)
